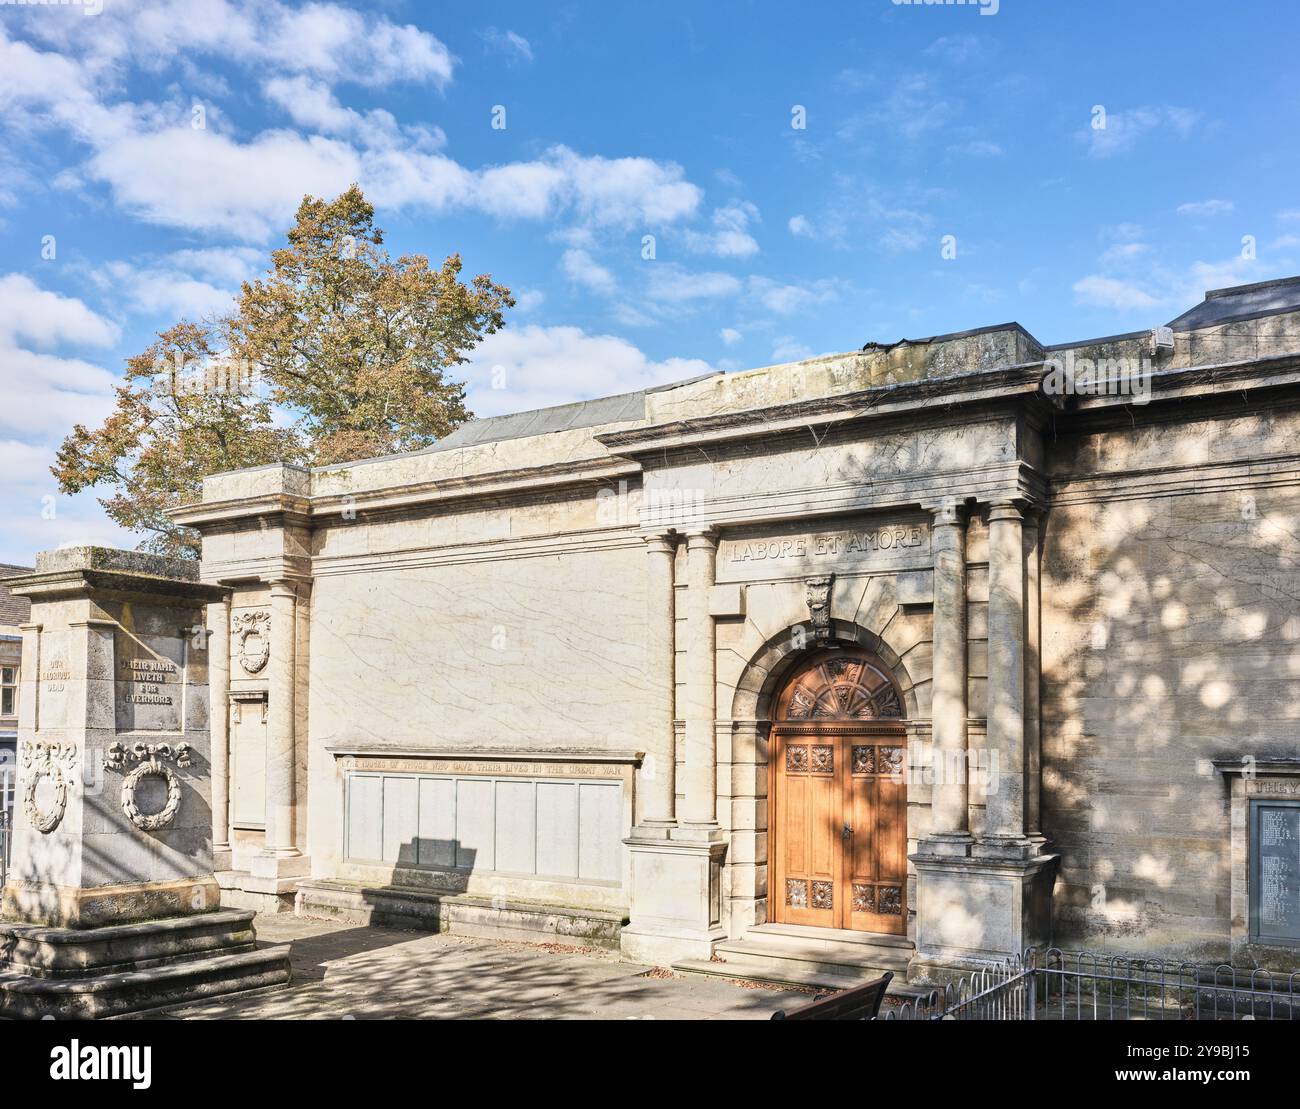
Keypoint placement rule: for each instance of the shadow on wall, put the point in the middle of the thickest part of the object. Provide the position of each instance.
(1171, 636)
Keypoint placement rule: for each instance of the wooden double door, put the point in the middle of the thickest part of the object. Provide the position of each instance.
(838, 792)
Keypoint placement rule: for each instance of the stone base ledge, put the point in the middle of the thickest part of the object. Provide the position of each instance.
(103, 906)
(459, 914)
(109, 995)
(77, 952)
(242, 890)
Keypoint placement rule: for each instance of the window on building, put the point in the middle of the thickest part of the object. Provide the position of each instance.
(8, 690)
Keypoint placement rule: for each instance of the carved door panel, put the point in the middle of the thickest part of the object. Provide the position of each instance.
(808, 800)
(875, 804)
(838, 799)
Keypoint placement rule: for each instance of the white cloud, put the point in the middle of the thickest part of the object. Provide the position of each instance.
(786, 299)
(542, 366)
(189, 283)
(582, 269)
(513, 45)
(977, 148)
(164, 171)
(326, 40)
(1109, 292)
(45, 393)
(730, 336)
(799, 226)
(730, 237)
(1124, 130)
(671, 284)
(34, 315)
(1203, 208)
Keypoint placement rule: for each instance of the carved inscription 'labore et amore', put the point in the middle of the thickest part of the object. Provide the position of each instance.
(830, 545)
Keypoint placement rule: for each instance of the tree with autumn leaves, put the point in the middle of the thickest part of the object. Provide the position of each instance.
(338, 352)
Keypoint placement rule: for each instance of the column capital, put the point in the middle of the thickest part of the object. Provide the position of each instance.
(283, 587)
(660, 542)
(949, 512)
(1008, 508)
(704, 535)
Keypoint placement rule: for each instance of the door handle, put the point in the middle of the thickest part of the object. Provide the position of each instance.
(847, 833)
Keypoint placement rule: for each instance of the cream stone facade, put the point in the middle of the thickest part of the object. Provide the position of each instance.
(525, 682)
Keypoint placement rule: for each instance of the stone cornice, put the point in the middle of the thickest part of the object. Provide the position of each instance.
(288, 510)
(1006, 383)
(89, 582)
(307, 512)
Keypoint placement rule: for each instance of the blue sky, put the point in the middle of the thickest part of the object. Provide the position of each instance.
(622, 121)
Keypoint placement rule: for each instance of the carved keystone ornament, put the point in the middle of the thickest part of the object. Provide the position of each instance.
(817, 592)
(152, 760)
(55, 761)
(252, 640)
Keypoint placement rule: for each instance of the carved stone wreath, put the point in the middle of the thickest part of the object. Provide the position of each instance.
(253, 640)
(152, 764)
(54, 761)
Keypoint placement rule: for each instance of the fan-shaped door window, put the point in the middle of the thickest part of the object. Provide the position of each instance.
(840, 688)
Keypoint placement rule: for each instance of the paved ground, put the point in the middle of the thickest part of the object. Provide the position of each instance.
(341, 971)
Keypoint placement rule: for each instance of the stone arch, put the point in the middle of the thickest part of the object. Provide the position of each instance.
(766, 672)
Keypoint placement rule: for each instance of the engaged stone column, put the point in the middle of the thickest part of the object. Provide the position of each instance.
(219, 729)
(280, 735)
(949, 814)
(659, 776)
(1005, 803)
(1033, 676)
(700, 807)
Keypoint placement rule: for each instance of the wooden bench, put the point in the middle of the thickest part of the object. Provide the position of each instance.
(860, 1003)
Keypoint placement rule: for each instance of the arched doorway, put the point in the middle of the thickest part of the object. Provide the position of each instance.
(838, 792)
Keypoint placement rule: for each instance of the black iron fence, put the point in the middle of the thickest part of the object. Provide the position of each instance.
(1083, 985)
(5, 819)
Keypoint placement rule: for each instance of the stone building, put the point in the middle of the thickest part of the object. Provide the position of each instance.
(911, 656)
(13, 614)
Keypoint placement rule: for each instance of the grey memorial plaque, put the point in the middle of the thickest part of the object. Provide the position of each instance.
(1275, 871)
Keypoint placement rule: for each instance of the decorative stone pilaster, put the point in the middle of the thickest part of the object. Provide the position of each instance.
(676, 890)
(997, 901)
(656, 807)
(1004, 813)
(1033, 677)
(700, 806)
(218, 632)
(949, 817)
(280, 861)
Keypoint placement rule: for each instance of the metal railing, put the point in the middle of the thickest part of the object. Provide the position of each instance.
(1003, 992)
(1084, 985)
(6, 817)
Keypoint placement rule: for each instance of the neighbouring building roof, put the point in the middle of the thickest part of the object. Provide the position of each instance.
(13, 610)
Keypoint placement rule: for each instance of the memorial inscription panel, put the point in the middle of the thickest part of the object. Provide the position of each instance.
(1275, 871)
(864, 547)
(149, 682)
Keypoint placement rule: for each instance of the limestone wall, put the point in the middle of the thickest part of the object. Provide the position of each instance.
(1171, 636)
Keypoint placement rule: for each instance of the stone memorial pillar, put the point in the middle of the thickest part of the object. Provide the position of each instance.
(111, 904)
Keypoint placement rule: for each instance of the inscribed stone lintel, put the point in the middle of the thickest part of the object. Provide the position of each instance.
(529, 764)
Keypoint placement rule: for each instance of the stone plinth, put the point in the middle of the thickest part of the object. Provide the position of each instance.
(676, 910)
(974, 911)
(113, 827)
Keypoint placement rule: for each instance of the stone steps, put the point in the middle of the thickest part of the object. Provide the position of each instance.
(458, 913)
(820, 957)
(110, 995)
